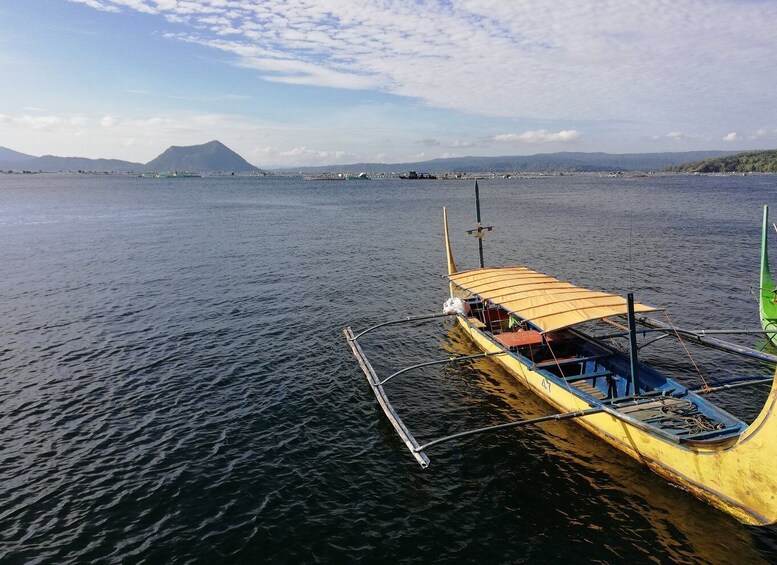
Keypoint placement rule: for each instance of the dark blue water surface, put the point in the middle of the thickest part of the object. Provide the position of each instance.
(175, 386)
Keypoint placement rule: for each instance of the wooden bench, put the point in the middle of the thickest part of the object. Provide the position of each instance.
(521, 338)
(570, 360)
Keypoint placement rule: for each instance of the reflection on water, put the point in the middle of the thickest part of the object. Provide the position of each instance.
(612, 483)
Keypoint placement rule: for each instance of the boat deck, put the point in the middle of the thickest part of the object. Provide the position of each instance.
(600, 375)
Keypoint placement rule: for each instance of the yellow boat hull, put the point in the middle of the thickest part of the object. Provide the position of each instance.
(737, 478)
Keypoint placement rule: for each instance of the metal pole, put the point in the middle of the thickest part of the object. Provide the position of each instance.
(402, 321)
(633, 344)
(441, 362)
(712, 342)
(479, 234)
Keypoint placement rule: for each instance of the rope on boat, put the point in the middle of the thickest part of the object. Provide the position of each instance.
(674, 329)
(734, 383)
(616, 324)
(558, 365)
(683, 416)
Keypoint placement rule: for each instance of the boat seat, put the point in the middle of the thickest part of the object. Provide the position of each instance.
(521, 338)
(476, 323)
(648, 407)
(568, 360)
(589, 389)
(586, 376)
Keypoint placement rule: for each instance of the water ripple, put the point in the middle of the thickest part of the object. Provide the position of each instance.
(176, 387)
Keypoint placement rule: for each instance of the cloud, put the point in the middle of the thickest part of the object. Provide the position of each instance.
(432, 142)
(539, 136)
(555, 60)
(50, 122)
(98, 5)
(300, 156)
(730, 136)
(109, 121)
(683, 137)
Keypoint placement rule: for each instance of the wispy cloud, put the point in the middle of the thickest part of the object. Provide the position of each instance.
(98, 5)
(546, 60)
(300, 156)
(538, 137)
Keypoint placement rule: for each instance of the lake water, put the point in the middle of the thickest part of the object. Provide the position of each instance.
(176, 388)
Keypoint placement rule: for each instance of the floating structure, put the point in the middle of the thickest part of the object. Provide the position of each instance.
(537, 328)
(177, 175)
(336, 176)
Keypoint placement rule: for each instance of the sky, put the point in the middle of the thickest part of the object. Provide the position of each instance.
(290, 83)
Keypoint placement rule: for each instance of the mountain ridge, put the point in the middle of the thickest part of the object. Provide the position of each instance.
(541, 162)
(10, 156)
(213, 156)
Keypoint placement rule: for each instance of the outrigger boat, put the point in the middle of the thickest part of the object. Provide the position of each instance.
(530, 323)
(767, 294)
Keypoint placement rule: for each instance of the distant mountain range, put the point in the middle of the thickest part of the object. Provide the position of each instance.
(213, 156)
(216, 157)
(540, 163)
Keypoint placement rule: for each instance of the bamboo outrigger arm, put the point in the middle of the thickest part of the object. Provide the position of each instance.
(383, 400)
(377, 385)
(440, 362)
(703, 338)
(400, 321)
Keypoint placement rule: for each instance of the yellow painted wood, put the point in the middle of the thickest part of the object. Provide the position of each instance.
(546, 302)
(740, 479)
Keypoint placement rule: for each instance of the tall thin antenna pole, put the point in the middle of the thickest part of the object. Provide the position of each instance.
(479, 225)
(634, 362)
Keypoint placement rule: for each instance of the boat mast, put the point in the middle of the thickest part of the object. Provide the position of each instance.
(479, 226)
(633, 344)
(479, 230)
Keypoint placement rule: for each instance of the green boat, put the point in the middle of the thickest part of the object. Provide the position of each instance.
(767, 293)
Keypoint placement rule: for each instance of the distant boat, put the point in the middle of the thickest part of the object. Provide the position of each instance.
(766, 293)
(412, 175)
(360, 176)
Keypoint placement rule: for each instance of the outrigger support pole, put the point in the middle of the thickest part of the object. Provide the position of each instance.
(734, 383)
(441, 362)
(552, 417)
(701, 339)
(383, 400)
(402, 321)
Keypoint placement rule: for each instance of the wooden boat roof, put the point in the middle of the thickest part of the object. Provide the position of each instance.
(546, 302)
